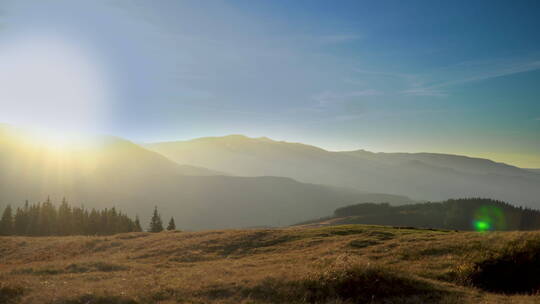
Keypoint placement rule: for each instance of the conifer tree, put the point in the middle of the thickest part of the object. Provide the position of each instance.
(79, 221)
(6, 223)
(93, 222)
(138, 227)
(47, 218)
(32, 227)
(43, 219)
(112, 220)
(64, 218)
(172, 225)
(156, 224)
(20, 220)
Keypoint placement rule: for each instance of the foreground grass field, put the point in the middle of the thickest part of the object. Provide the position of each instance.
(342, 264)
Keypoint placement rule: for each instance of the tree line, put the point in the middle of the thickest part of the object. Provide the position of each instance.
(458, 214)
(45, 219)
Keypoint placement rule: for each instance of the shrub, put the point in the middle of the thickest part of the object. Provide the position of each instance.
(514, 270)
(10, 294)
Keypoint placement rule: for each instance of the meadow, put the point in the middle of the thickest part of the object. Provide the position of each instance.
(338, 264)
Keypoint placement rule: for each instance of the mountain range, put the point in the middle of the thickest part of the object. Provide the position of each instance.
(421, 176)
(237, 181)
(115, 172)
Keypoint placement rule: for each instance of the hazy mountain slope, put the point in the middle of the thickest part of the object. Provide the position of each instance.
(116, 172)
(420, 176)
(456, 162)
(31, 169)
(222, 202)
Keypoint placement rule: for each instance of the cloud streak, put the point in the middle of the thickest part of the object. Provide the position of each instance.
(329, 97)
(468, 72)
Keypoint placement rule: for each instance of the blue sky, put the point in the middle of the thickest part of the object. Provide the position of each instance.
(439, 76)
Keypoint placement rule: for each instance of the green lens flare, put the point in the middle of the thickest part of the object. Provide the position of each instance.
(481, 226)
(488, 218)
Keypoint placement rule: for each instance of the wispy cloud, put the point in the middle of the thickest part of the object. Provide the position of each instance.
(483, 70)
(330, 97)
(440, 81)
(424, 91)
(399, 83)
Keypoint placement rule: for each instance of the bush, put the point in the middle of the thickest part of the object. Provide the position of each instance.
(515, 270)
(10, 294)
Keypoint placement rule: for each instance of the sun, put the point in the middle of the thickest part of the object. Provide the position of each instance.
(52, 85)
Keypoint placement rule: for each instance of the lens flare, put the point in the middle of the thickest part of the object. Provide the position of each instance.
(52, 84)
(481, 226)
(487, 218)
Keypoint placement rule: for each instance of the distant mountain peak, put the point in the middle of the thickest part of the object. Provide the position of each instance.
(236, 136)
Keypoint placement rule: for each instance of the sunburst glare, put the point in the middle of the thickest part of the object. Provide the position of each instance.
(51, 84)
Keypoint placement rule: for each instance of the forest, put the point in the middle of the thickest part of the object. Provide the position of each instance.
(478, 214)
(45, 219)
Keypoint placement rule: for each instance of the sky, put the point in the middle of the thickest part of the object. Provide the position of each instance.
(460, 77)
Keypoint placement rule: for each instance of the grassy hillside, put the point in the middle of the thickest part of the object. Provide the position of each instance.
(343, 264)
(422, 176)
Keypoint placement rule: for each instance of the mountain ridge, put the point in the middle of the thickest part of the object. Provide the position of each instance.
(120, 173)
(423, 176)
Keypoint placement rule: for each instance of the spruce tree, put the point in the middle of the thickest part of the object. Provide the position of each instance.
(156, 224)
(32, 227)
(47, 218)
(93, 222)
(138, 227)
(79, 223)
(172, 225)
(64, 219)
(6, 223)
(20, 221)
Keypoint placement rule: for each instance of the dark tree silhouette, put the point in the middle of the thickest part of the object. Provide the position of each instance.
(6, 223)
(459, 214)
(137, 224)
(21, 220)
(172, 225)
(64, 218)
(45, 219)
(156, 224)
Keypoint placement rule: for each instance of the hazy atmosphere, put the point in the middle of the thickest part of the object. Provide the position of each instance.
(269, 152)
(448, 77)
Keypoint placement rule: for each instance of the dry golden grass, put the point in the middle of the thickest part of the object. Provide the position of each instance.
(342, 264)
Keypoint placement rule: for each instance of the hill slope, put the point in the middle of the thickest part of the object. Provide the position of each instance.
(116, 172)
(424, 176)
(461, 214)
(345, 264)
